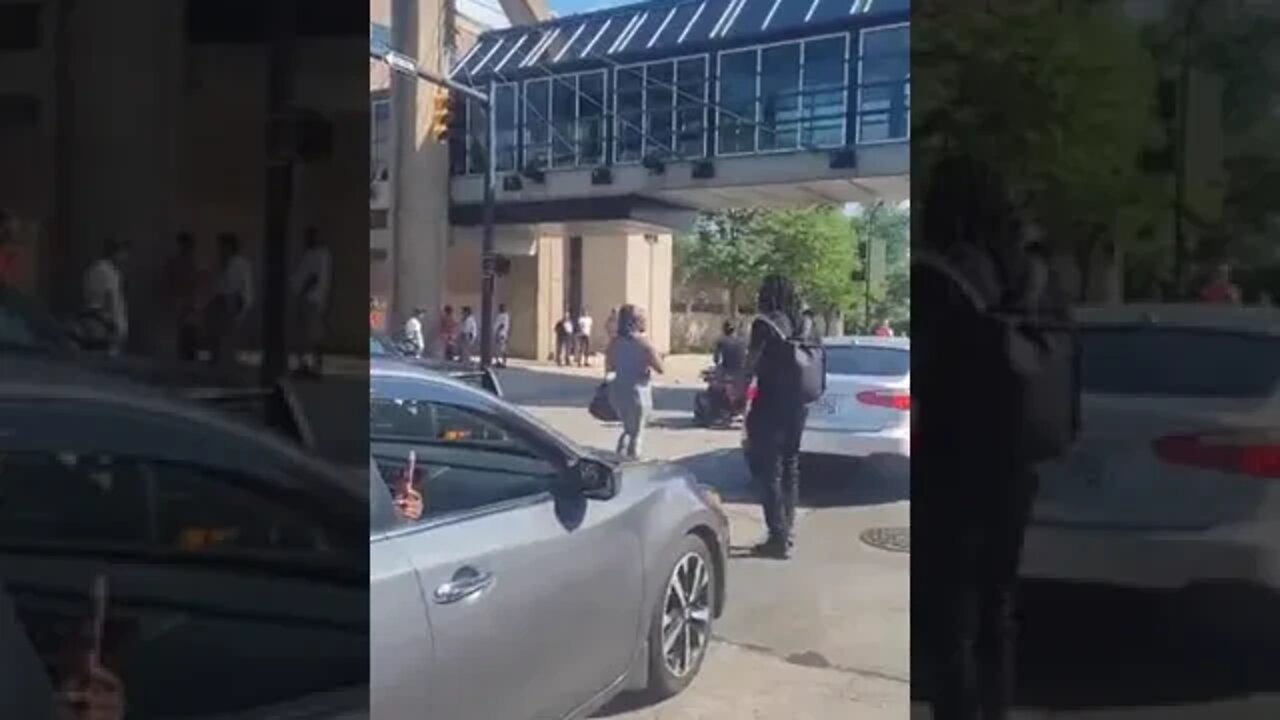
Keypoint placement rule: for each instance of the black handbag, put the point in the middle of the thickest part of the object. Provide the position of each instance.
(601, 407)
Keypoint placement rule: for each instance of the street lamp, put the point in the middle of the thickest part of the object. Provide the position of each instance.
(405, 65)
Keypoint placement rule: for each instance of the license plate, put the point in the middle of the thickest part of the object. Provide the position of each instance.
(826, 406)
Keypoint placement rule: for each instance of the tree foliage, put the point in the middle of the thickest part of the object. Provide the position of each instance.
(814, 248)
(726, 249)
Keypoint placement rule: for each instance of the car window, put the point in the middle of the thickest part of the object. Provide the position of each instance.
(467, 460)
(862, 360)
(133, 504)
(1178, 362)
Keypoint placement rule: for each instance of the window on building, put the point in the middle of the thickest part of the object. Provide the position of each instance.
(564, 120)
(691, 109)
(380, 138)
(629, 99)
(779, 97)
(737, 99)
(379, 37)
(537, 122)
(824, 101)
(659, 109)
(507, 127)
(884, 85)
(591, 118)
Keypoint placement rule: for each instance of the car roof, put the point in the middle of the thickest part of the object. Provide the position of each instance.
(1204, 316)
(876, 341)
(29, 378)
(449, 389)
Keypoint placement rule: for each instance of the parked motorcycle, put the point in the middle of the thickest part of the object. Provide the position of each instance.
(721, 403)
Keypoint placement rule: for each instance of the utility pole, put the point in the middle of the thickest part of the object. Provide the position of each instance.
(1180, 249)
(281, 58)
(406, 65)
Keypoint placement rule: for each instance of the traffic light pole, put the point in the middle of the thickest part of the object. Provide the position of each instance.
(488, 271)
(488, 274)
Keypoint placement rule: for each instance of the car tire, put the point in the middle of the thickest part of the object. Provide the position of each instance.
(665, 680)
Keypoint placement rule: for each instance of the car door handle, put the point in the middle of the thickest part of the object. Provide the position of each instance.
(465, 583)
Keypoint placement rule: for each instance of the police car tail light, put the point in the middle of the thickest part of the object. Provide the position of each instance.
(1253, 454)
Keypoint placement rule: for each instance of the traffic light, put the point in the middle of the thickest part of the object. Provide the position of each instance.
(441, 115)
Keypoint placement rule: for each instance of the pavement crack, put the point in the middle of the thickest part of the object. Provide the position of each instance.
(813, 660)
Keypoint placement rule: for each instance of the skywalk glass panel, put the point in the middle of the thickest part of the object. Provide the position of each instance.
(591, 118)
(613, 27)
(564, 119)
(831, 10)
(477, 138)
(629, 114)
(749, 19)
(779, 97)
(659, 98)
(691, 108)
(884, 75)
(537, 126)
(507, 127)
(645, 31)
(680, 20)
(792, 13)
(574, 40)
(737, 100)
(700, 30)
(824, 102)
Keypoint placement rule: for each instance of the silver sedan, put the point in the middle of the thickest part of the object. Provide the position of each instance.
(515, 574)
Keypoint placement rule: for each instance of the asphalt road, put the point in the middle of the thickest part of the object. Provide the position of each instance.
(823, 635)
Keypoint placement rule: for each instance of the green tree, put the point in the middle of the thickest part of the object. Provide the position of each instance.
(727, 249)
(1059, 97)
(813, 247)
(889, 227)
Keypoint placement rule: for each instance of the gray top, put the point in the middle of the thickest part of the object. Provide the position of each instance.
(630, 362)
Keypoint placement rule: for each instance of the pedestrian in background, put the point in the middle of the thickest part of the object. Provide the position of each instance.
(883, 329)
(448, 340)
(104, 297)
(564, 339)
(632, 360)
(778, 413)
(311, 282)
(501, 335)
(582, 331)
(183, 293)
(415, 341)
(467, 335)
(233, 297)
(611, 325)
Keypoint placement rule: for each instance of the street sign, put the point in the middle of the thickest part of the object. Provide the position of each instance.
(401, 63)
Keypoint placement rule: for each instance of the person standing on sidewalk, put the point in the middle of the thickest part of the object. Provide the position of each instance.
(611, 325)
(183, 294)
(448, 334)
(501, 336)
(632, 359)
(778, 413)
(231, 302)
(467, 335)
(413, 337)
(311, 282)
(104, 295)
(583, 340)
(564, 339)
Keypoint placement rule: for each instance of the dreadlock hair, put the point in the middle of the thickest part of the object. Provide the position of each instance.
(778, 294)
(628, 320)
(967, 202)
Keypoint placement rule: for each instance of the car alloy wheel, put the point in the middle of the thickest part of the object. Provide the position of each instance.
(686, 615)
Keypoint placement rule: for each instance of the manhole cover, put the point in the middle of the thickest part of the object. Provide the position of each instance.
(893, 539)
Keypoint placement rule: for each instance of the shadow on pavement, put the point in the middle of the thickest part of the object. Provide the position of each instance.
(1084, 647)
(824, 483)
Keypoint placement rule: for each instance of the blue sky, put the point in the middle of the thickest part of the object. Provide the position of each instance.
(568, 7)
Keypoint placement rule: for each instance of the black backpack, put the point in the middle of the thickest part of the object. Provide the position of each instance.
(1030, 360)
(802, 364)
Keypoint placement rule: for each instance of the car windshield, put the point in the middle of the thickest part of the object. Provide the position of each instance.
(866, 360)
(1179, 362)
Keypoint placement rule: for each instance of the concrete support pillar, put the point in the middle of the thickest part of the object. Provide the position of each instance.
(635, 269)
(126, 160)
(420, 173)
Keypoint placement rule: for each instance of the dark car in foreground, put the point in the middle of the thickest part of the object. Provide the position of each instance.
(233, 582)
(381, 346)
(532, 577)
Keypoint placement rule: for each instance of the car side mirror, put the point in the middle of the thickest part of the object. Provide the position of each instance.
(593, 479)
